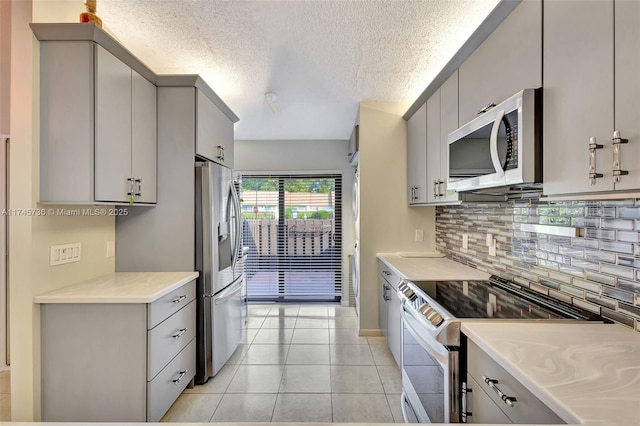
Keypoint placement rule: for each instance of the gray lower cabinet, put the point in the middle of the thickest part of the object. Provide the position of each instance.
(389, 309)
(495, 396)
(509, 60)
(122, 362)
(98, 132)
(591, 89)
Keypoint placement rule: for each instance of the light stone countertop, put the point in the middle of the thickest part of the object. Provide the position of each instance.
(584, 372)
(431, 268)
(120, 287)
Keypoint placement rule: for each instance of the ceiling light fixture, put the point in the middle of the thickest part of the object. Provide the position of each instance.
(270, 99)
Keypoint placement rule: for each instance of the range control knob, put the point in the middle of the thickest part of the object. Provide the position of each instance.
(424, 308)
(432, 313)
(402, 286)
(409, 294)
(436, 319)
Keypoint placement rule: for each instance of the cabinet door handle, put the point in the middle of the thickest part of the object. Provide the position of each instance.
(179, 298)
(182, 374)
(220, 152)
(415, 192)
(179, 333)
(138, 182)
(593, 146)
(435, 188)
(131, 183)
(440, 188)
(617, 171)
(465, 393)
(509, 400)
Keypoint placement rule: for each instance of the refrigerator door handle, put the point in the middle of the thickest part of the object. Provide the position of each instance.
(238, 225)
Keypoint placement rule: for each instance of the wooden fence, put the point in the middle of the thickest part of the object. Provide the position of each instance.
(302, 236)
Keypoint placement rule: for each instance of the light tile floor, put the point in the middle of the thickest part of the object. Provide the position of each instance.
(299, 363)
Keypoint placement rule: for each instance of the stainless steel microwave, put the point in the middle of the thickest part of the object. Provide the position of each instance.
(502, 147)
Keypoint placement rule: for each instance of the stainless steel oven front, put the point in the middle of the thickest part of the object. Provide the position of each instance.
(430, 376)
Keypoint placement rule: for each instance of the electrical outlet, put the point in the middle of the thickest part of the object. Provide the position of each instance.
(465, 288)
(493, 300)
(419, 235)
(492, 248)
(489, 240)
(111, 248)
(68, 253)
(465, 241)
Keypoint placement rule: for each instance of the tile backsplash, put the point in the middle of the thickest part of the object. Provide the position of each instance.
(599, 272)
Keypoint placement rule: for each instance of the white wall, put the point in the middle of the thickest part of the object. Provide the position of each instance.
(5, 64)
(30, 237)
(308, 155)
(387, 224)
(5, 87)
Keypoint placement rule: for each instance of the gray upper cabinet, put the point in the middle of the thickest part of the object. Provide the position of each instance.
(448, 123)
(627, 90)
(591, 89)
(144, 138)
(214, 132)
(125, 134)
(98, 127)
(509, 60)
(434, 178)
(427, 148)
(417, 157)
(113, 128)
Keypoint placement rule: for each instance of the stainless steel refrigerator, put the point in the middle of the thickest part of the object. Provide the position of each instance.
(218, 225)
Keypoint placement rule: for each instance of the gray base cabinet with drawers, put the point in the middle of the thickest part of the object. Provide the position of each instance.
(117, 362)
(390, 306)
(495, 396)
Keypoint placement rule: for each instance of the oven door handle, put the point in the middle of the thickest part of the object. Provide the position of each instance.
(435, 349)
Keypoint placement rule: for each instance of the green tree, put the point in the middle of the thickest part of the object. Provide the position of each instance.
(319, 185)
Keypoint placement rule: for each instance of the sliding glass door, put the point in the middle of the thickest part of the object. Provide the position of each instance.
(292, 225)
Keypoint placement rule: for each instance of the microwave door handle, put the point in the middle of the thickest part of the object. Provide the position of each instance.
(493, 144)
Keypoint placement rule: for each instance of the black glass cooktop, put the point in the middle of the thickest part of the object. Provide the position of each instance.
(499, 298)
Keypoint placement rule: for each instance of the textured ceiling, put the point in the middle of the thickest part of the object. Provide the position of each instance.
(320, 57)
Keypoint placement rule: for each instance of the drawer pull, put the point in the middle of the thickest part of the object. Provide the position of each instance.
(509, 400)
(182, 374)
(179, 298)
(179, 333)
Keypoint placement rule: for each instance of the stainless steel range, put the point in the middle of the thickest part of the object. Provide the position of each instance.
(431, 338)
(430, 358)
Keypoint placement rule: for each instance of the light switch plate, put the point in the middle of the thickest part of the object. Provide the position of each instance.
(465, 241)
(419, 235)
(465, 288)
(67, 253)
